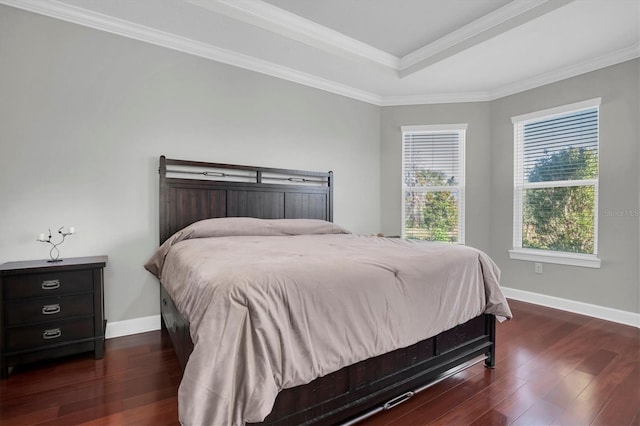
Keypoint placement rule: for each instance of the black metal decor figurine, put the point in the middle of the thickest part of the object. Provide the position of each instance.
(54, 253)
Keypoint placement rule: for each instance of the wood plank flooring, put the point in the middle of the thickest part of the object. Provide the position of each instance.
(553, 367)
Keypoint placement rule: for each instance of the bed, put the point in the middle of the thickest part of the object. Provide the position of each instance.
(192, 195)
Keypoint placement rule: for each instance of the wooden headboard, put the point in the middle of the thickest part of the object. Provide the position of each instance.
(195, 190)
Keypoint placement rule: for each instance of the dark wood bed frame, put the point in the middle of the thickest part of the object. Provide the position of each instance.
(193, 190)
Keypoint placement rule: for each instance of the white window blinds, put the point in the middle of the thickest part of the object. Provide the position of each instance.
(433, 182)
(556, 179)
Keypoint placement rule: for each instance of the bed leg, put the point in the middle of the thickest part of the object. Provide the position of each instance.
(490, 361)
(490, 327)
(163, 304)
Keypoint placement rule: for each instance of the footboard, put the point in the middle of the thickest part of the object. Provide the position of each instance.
(361, 387)
(384, 381)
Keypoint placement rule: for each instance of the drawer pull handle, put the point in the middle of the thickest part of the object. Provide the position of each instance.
(53, 333)
(50, 309)
(398, 400)
(50, 284)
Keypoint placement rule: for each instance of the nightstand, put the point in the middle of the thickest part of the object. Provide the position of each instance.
(51, 309)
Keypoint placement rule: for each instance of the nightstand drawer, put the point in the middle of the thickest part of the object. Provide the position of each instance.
(42, 335)
(47, 284)
(48, 309)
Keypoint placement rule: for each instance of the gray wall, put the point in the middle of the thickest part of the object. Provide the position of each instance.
(616, 283)
(84, 116)
(477, 173)
(489, 177)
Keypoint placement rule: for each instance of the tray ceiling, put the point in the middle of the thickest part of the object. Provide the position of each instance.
(385, 52)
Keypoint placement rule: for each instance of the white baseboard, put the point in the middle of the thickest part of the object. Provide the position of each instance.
(132, 326)
(602, 312)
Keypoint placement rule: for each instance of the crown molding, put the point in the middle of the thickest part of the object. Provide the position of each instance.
(612, 58)
(436, 98)
(287, 24)
(469, 31)
(87, 18)
(482, 29)
(280, 21)
(622, 55)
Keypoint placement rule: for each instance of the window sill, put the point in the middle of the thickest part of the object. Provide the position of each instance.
(561, 258)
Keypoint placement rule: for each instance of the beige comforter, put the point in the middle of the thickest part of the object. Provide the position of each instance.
(279, 303)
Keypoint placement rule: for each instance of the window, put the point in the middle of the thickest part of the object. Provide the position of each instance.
(433, 182)
(556, 185)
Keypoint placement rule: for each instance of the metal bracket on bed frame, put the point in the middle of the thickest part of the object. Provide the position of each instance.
(400, 399)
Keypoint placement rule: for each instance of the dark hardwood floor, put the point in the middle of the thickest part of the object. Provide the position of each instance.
(553, 367)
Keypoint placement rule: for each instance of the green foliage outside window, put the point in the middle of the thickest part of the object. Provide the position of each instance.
(561, 218)
(432, 215)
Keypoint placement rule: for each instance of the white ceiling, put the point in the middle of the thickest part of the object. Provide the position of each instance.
(397, 27)
(385, 52)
